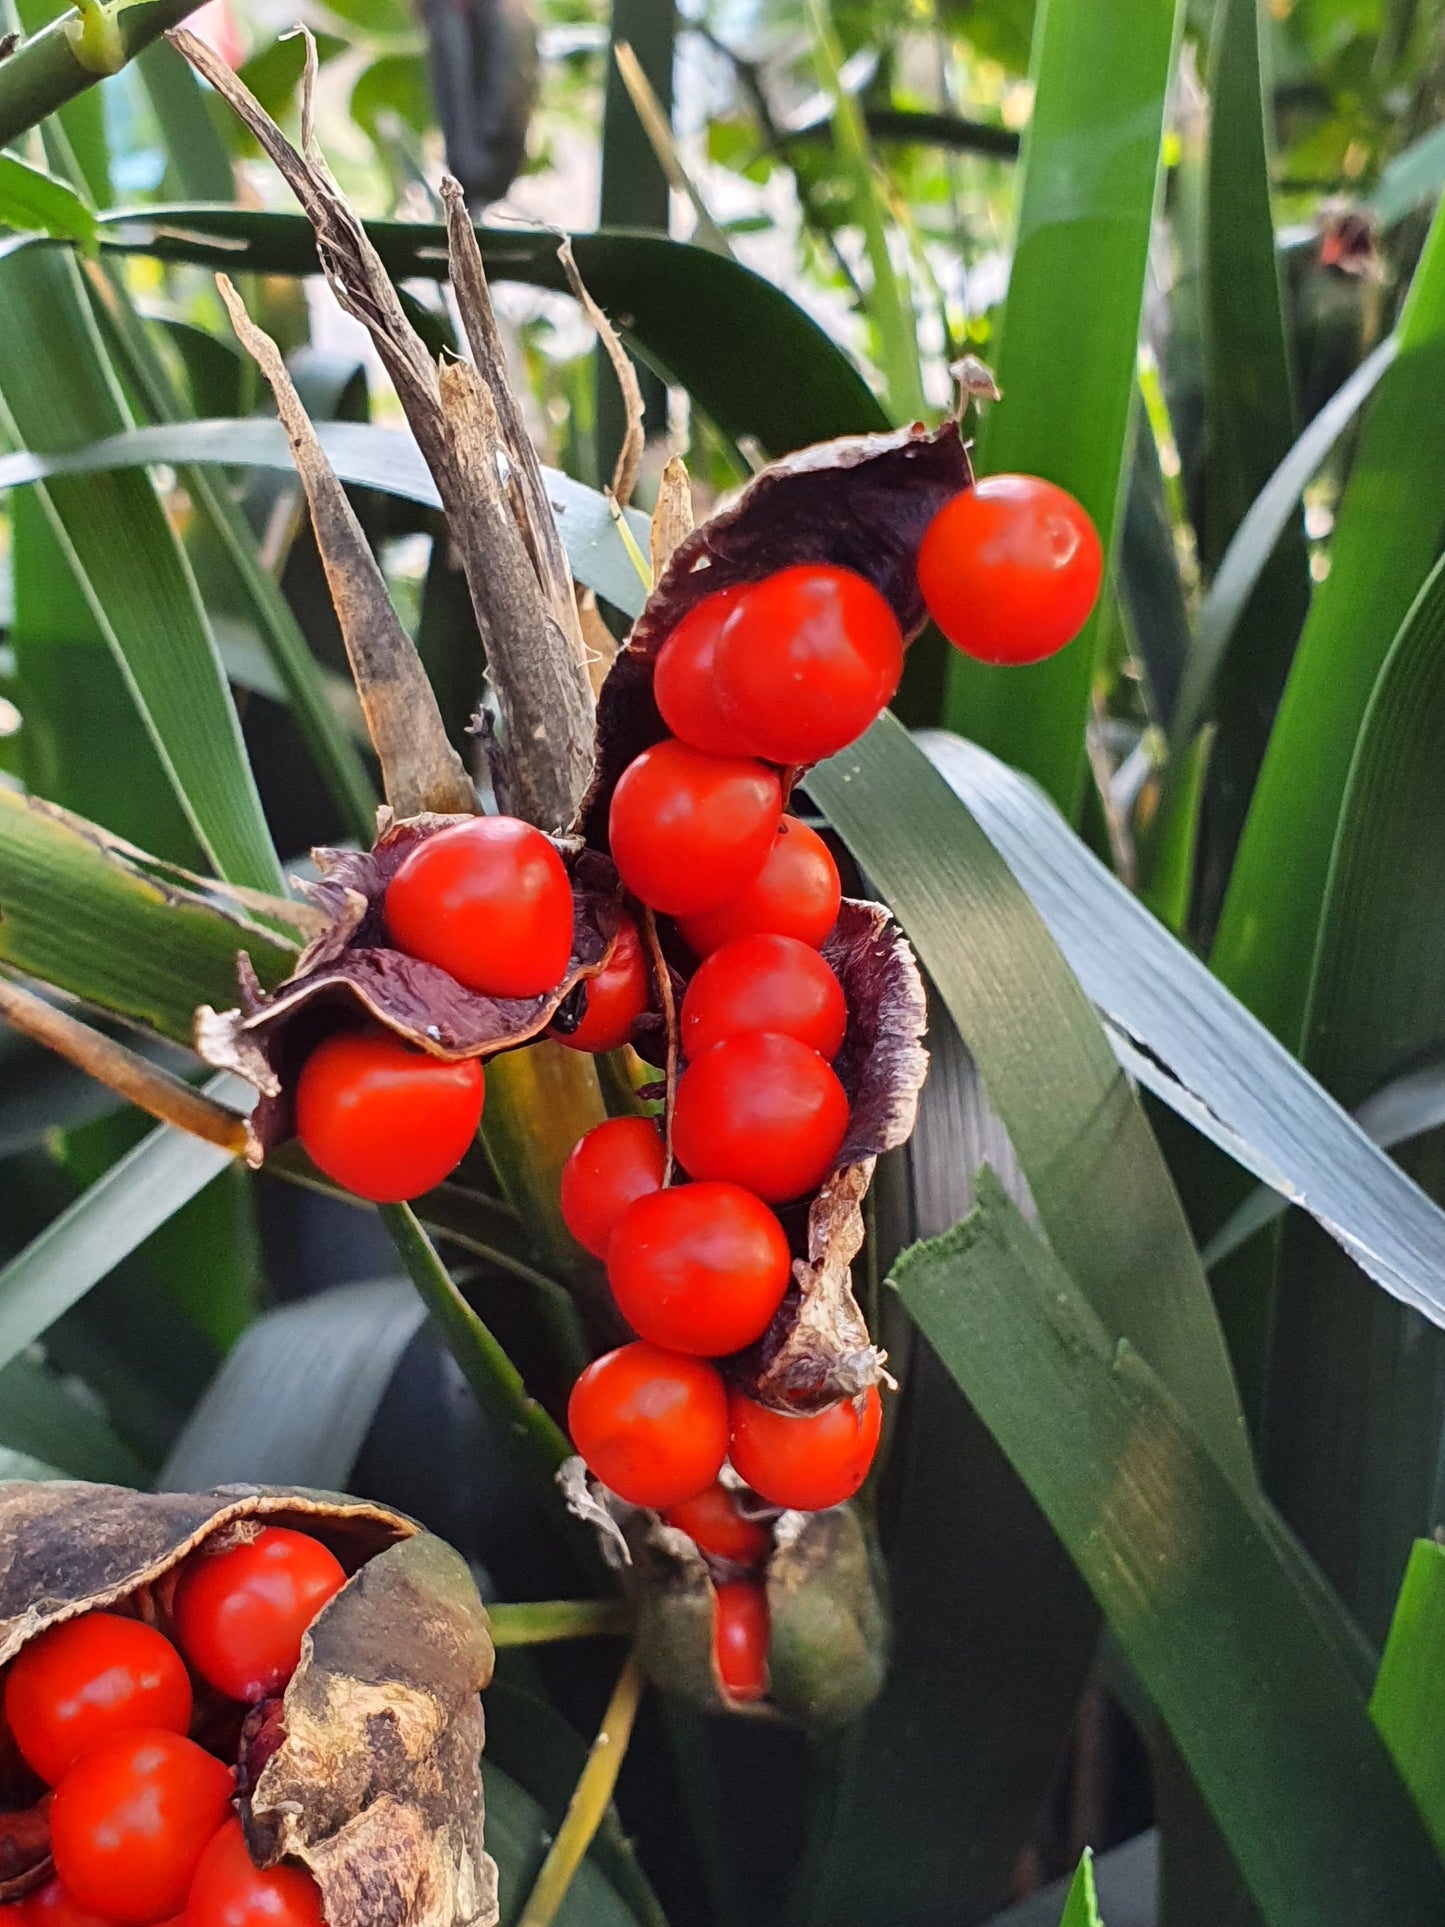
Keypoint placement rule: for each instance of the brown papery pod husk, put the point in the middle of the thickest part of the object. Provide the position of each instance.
(353, 972)
(829, 1631)
(366, 1771)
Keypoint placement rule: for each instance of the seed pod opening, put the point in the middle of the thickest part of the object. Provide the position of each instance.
(364, 1770)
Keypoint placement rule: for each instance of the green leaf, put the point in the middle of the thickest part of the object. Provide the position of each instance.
(197, 165)
(129, 562)
(1386, 537)
(518, 1835)
(91, 919)
(1414, 177)
(296, 1395)
(33, 201)
(1081, 1909)
(1188, 1575)
(1066, 359)
(1186, 1039)
(1101, 1189)
(1408, 1703)
(54, 1418)
(693, 315)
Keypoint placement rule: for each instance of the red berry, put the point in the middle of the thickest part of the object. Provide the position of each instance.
(795, 894)
(616, 996)
(240, 1614)
(131, 1819)
(740, 1639)
(52, 1906)
(809, 1463)
(613, 1164)
(385, 1121)
(762, 1111)
(687, 830)
(87, 1679)
(1010, 569)
(807, 661)
(764, 983)
(715, 1525)
(699, 1268)
(682, 679)
(488, 900)
(230, 1890)
(652, 1425)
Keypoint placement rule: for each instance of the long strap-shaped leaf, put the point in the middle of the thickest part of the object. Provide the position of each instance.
(1071, 330)
(1276, 1734)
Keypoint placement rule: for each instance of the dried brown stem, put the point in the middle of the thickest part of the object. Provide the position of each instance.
(662, 976)
(420, 769)
(672, 517)
(144, 1084)
(629, 456)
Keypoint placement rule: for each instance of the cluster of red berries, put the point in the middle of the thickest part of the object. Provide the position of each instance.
(102, 1707)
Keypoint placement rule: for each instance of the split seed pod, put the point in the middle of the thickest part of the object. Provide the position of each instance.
(366, 1770)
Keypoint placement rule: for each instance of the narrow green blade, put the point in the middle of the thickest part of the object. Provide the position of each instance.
(33, 201)
(1408, 1703)
(1081, 1909)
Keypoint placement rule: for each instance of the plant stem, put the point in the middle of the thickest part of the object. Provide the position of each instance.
(590, 1800)
(157, 1091)
(47, 70)
(539, 1622)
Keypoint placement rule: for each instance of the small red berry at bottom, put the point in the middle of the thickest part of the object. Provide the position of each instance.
(715, 1524)
(132, 1818)
(615, 998)
(53, 1906)
(764, 982)
(607, 1169)
(651, 1425)
(796, 893)
(763, 1111)
(87, 1679)
(740, 1639)
(1010, 569)
(808, 1463)
(386, 1122)
(687, 831)
(240, 1614)
(230, 1890)
(683, 684)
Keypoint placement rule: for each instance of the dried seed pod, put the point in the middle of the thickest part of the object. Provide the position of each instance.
(353, 968)
(828, 1644)
(365, 1770)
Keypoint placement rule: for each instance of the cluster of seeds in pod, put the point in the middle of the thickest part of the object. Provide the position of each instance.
(756, 682)
(134, 1727)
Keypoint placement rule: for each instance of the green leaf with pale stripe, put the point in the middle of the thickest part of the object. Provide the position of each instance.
(32, 201)
(1081, 1909)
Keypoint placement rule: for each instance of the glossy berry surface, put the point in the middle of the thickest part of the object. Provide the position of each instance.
(52, 1906)
(489, 901)
(1010, 569)
(683, 682)
(652, 1425)
(699, 1268)
(230, 1890)
(810, 1463)
(385, 1121)
(740, 1639)
(607, 1170)
(807, 661)
(762, 1111)
(687, 831)
(715, 1524)
(764, 983)
(795, 894)
(616, 996)
(131, 1819)
(240, 1613)
(83, 1681)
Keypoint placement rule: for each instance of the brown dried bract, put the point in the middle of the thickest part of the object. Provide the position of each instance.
(862, 503)
(352, 971)
(373, 1781)
(817, 1349)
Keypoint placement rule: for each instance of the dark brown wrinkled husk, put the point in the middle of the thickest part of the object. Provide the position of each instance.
(817, 1349)
(862, 503)
(828, 1641)
(374, 1784)
(352, 971)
